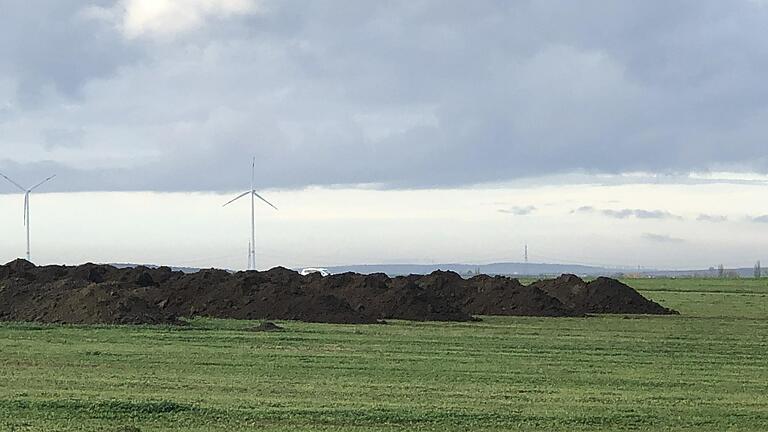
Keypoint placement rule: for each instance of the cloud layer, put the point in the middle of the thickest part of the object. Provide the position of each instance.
(662, 238)
(165, 95)
(518, 210)
(712, 218)
(629, 213)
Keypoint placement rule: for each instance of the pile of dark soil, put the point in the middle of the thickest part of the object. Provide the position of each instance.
(49, 294)
(93, 293)
(602, 295)
(267, 326)
(399, 298)
(486, 295)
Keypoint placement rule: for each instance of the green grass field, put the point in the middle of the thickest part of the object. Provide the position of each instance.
(704, 370)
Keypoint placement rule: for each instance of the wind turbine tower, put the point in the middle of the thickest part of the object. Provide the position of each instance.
(526, 253)
(525, 266)
(252, 192)
(27, 193)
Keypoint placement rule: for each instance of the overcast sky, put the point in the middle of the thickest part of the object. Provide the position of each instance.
(176, 96)
(163, 95)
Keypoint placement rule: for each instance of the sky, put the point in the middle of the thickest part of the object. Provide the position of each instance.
(624, 132)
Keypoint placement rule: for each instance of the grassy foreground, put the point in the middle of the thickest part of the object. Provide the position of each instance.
(704, 370)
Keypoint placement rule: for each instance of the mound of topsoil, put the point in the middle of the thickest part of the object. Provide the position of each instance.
(602, 295)
(399, 298)
(267, 326)
(279, 294)
(486, 295)
(67, 301)
(93, 293)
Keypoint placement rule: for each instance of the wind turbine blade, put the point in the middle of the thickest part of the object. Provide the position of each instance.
(13, 182)
(236, 198)
(41, 183)
(262, 198)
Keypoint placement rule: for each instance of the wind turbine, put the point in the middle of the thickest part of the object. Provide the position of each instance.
(252, 192)
(27, 192)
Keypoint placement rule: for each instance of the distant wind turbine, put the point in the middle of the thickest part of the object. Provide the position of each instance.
(27, 192)
(252, 192)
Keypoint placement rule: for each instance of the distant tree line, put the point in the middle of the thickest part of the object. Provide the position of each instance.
(722, 272)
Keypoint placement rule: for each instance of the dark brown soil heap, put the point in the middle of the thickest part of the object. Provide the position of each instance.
(93, 293)
(267, 326)
(399, 298)
(275, 294)
(602, 295)
(70, 301)
(486, 295)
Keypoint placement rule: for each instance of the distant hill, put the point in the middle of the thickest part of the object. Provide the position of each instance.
(535, 270)
(522, 269)
(181, 269)
(506, 268)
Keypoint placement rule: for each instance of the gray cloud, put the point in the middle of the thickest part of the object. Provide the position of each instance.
(518, 211)
(712, 218)
(629, 213)
(662, 238)
(640, 214)
(403, 95)
(760, 219)
(584, 209)
(52, 48)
